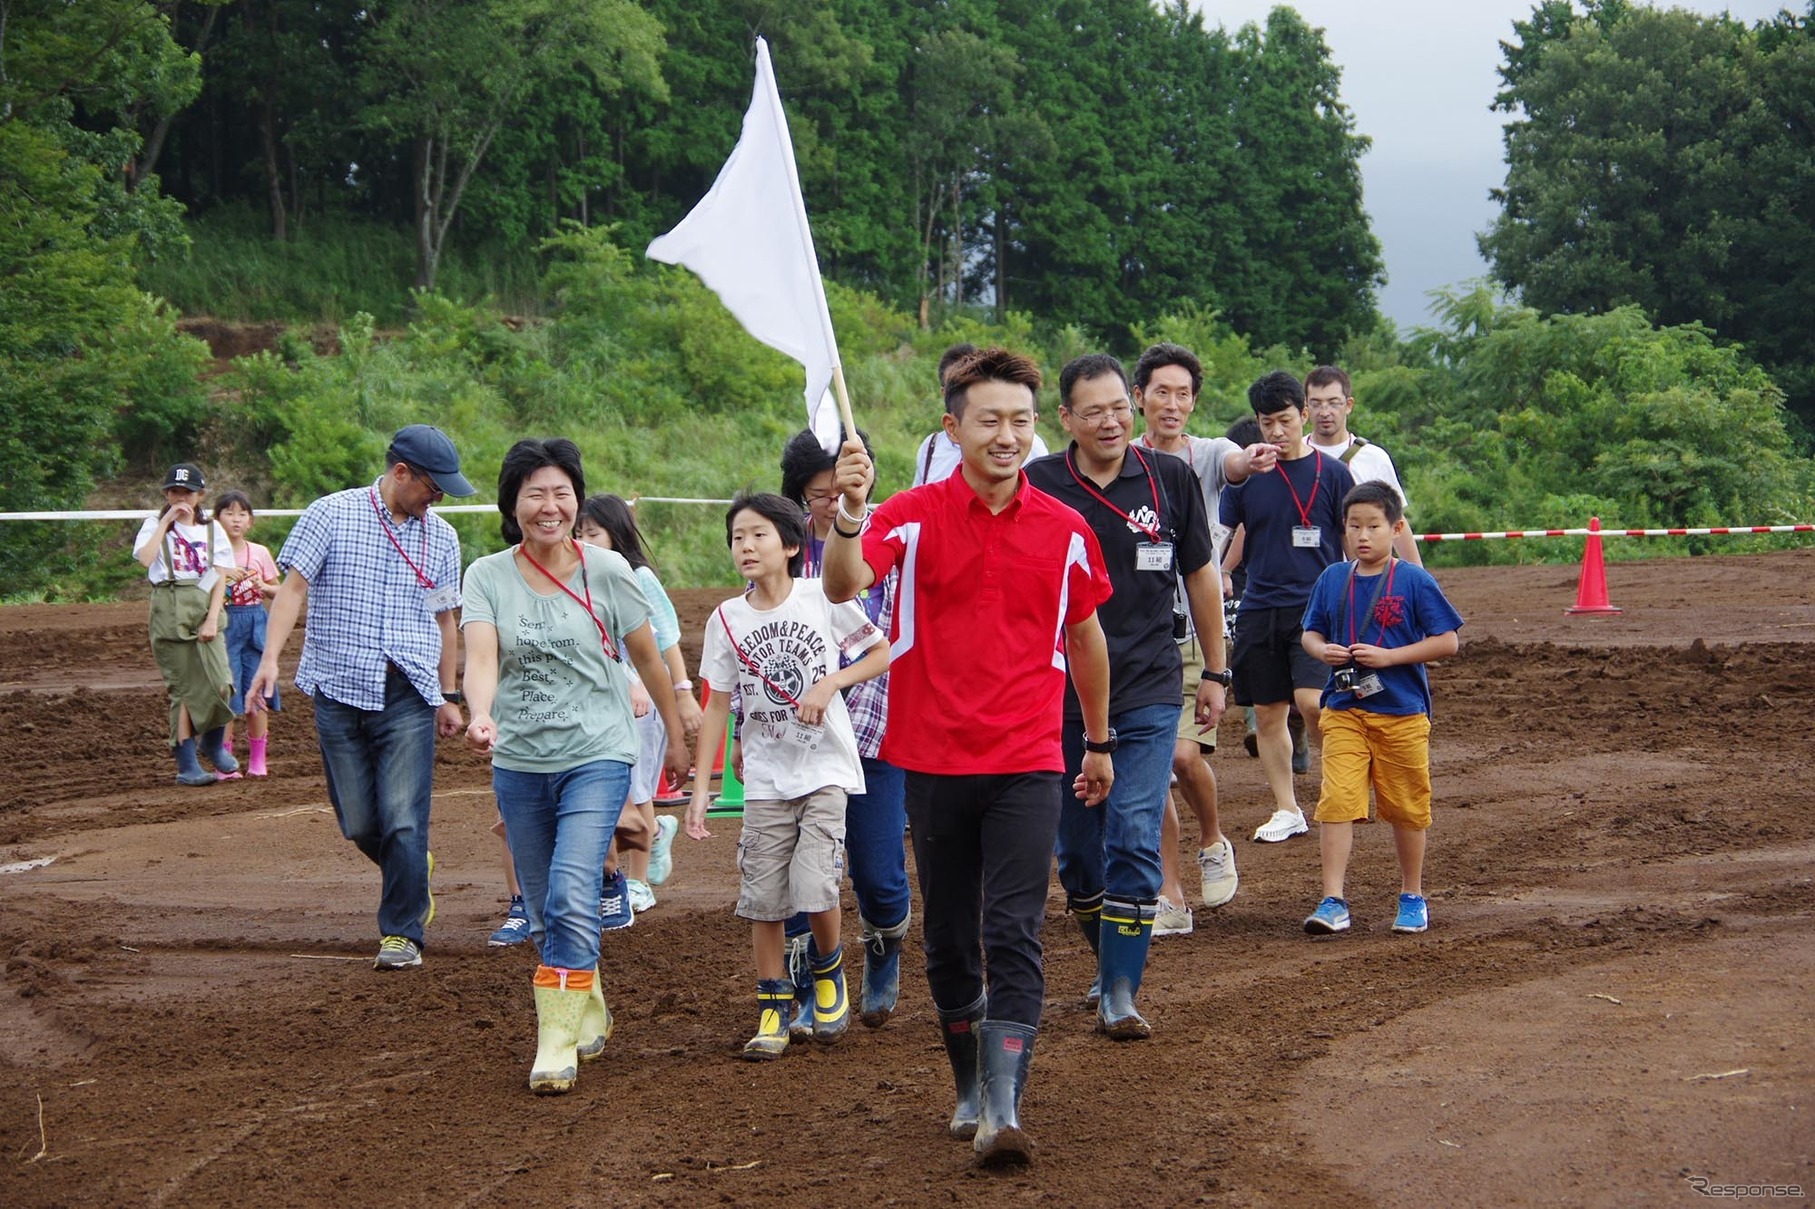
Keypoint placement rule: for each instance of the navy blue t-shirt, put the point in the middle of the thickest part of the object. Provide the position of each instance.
(1280, 574)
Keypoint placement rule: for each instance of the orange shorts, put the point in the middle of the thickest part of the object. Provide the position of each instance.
(1390, 752)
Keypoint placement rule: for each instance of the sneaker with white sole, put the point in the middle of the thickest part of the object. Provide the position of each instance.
(1414, 915)
(641, 896)
(397, 953)
(1216, 864)
(1332, 915)
(615, 912)
(1172, 919)
(661, 849)
(1282, 826)
(515, 928)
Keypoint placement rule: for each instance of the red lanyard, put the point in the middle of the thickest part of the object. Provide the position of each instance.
(384, 523)
(611, 651)
(1152, 533)
(751, 663)
(1304, 509)
(1385, 585)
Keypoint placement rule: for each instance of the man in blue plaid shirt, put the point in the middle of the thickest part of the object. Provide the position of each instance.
(380, 575)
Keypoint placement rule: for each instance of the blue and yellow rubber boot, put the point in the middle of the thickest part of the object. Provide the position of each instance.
(774, 1004)
(1089, 914)
(831, 1006)
(1121, 960)
(881, 971)
(802, 953)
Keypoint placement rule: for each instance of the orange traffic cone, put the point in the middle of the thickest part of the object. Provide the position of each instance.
(1591, 590)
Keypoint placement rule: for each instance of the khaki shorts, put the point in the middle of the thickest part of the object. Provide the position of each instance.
(1390, 752)
(1193, 655)
(790, 856)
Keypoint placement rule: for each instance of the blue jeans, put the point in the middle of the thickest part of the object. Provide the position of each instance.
(380, 766)
(1114, 847)
(875, 847)
(559, 825)
(245, 645)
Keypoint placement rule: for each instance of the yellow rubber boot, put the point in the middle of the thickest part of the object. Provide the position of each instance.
(774, 1004)
(562, 998)
(595, 1023)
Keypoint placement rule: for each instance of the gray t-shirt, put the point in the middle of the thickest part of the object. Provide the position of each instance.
(562, 702)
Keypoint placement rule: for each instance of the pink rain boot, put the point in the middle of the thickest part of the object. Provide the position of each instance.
(255, 764)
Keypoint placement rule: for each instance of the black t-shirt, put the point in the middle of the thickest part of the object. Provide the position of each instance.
(1144, 664)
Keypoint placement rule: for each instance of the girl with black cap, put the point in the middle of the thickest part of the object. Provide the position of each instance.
(188, 557)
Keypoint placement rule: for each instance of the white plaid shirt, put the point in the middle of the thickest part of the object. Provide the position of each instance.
(367, 608)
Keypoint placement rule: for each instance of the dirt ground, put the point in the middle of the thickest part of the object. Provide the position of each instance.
(1612, 1002)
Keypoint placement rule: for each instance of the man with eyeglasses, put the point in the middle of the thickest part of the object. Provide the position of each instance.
(1148, 515)
(380, 575)
(1329, 398)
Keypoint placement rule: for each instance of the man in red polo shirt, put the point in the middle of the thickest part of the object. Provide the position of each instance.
(999, 586)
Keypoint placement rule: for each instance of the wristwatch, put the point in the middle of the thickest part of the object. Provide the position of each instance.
(1104, 748)
(1224, 677)
(453, 696)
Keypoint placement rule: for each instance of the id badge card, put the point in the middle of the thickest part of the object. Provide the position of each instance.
(1153, 556)
(798, 734)
(1307, 537)
(441, 599)
(1368, 685)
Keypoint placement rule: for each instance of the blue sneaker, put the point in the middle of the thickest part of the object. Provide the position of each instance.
(614, 903)
(1332, 915)
(1414, 915)
(515, 928)
(661, 849)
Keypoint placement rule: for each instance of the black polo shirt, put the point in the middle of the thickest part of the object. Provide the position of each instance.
(1144, 664)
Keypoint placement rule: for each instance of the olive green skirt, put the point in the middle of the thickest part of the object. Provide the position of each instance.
(195, 672)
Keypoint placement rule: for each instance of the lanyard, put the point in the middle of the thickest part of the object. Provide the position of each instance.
(1152, 533)
(611, 651)
(1304, 508)
(384, 523)
(1386, 582)
(812, 555)
(751, 663)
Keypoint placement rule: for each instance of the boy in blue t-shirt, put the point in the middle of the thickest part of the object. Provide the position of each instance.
(1377, 621)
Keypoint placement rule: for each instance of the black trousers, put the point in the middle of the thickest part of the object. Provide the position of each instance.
(983, 847)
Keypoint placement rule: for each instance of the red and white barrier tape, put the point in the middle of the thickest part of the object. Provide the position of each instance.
(1709, 532)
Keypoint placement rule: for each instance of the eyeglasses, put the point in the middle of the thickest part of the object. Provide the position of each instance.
(1121, 413)
(423, 476)
(818, 497)
(1324, 404)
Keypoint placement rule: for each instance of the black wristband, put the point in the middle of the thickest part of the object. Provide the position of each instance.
(842, 533)
(453, 696)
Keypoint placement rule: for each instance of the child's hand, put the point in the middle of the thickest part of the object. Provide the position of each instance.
(812, 708)
(1368, 655)
(688, 706)
(696, 814)
(1334, 654)
(482, 732)
(207, 630)
(640, 704)
(677, 761)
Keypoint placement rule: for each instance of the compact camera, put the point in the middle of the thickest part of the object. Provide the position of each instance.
(1345, 679)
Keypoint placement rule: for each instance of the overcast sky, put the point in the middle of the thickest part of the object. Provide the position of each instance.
(1419, 76)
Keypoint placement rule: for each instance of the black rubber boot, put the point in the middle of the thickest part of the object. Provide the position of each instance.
(1004, 1053)
(1089, 914)
(959, 1029)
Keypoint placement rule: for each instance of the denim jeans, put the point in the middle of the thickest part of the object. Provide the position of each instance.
(875, 844)
(983, 850)
(1114, 847)
(380, 766)
(559, 825)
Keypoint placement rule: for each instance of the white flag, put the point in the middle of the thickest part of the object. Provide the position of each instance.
(749, 241)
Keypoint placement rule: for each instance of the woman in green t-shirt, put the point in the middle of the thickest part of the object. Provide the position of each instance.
(544, 622)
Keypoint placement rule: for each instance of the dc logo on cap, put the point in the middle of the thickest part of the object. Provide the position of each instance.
(181, 475)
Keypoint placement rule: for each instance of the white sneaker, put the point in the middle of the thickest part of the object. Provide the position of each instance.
(1171, 919)
(641, 896)
(1282, 826)
(1217, 865)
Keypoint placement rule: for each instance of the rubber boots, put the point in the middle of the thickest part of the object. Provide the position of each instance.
(595, 1022)
(881, 970)
(831, 1005)
(774, 1005)
(802, 952)
(1004, 1052)
(255, 763)
(188, 768)
(214, 749)
(562, 998)
(959, 1030)
(1089, 914)
(1127, 931)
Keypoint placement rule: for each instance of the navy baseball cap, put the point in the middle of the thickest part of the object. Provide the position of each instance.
(186, 475)
(428, 449)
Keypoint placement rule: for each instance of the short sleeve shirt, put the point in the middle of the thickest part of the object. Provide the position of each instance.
(562, 700)
(1407, 607)
(773, 656)
(250, 591)
(1303, 492)
(1370, 463)
(977, 682)
(375, 588)
(1155, 498)
(199, 553)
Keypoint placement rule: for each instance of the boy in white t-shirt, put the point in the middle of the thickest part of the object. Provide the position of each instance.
(780, 644)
